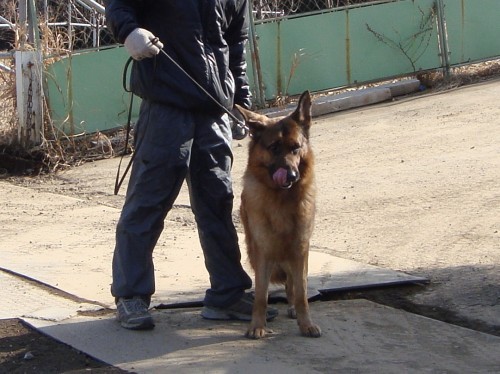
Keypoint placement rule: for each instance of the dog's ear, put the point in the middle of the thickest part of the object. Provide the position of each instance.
(302, 114)
(256, 122)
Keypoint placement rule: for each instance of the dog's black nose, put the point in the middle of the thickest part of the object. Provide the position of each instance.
(292, 176)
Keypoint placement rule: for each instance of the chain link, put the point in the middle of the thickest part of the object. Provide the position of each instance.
(30, 125)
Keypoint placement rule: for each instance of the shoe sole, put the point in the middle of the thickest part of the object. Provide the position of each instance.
(147, 324)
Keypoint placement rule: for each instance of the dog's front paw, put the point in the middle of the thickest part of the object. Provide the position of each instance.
(257, 332)
(311, 331)
(291, 312)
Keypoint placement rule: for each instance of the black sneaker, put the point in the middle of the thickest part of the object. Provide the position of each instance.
(240, 311)
(133, 314)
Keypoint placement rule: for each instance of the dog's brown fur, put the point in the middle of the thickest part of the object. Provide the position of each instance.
(277, 211)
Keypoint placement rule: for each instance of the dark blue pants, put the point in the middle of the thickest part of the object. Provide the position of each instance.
(173, 145)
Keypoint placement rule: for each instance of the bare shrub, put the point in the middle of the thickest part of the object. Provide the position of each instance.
(57, 150)
(8, 120)
(460, 76)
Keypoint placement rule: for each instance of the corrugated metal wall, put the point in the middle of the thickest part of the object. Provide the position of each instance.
(318, 51)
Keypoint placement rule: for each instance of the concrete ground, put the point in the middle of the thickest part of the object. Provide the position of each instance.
(406, 188)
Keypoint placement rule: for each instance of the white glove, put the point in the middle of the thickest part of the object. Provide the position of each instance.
(139, 44)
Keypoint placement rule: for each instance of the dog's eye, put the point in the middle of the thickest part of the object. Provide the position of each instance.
(296, 150)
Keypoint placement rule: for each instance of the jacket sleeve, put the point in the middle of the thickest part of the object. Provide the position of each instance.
(236, 37)
(121, 17)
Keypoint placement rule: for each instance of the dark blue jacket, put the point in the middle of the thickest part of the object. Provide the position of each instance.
(206, 37)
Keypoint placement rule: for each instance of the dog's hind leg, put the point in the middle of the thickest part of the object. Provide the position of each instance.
(281, 275)
(290, 296)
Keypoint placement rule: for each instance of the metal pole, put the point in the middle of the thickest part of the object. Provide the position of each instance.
(443, 38)
(23, 16)
(46, 16)
(95, 29)
(7, 22)
(70, 27)
(93, 4)
(34, 34)
(255, 60)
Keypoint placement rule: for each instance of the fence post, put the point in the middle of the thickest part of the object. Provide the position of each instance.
(443, 38)
(255, 59)
(29, 68)
(29, 96)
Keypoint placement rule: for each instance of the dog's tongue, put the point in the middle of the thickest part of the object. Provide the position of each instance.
(279, 177)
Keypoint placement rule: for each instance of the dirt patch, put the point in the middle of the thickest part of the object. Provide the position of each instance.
(15, 160)
(25, 350)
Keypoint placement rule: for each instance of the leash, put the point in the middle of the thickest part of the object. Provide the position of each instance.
(238, 122)
(233, 117)
(118, 180)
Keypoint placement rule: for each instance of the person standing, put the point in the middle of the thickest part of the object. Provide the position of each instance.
(182, 135)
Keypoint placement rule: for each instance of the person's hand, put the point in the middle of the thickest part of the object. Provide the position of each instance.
(139, 44)
(238, 128)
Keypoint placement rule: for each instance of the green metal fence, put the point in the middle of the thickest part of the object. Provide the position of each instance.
(85, 92)
(343, 47)
(316, 51)
(473, 29)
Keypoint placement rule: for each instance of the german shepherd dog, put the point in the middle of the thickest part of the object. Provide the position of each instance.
(277, 211)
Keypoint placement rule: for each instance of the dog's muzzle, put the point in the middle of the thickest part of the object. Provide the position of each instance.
(285, 178)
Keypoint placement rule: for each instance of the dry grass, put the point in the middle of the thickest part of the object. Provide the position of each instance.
(461, 76)
(8, 119)
(57, 150)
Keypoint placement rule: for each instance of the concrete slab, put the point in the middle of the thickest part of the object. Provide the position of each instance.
(358, 337)
(350, 99)
(68, 243)
(336, 103)
(22, 299)
(353, 98)
(403, 87)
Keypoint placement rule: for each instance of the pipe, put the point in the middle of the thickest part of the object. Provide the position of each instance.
(93, 4)
(6, 68)
(3, 20)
